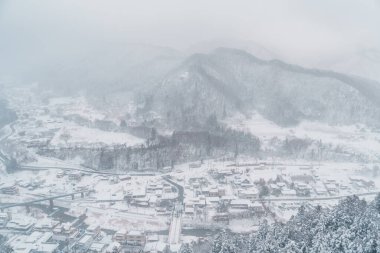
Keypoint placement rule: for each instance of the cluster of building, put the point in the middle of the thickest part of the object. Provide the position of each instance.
(235, 192)
(47, 235)
(220, 198)
(156, 194)
(216, 197)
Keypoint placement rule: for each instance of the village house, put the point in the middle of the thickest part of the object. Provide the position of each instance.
(138, 193)
(161, 211)
(289, 193)
(45, 225)
(10, 189)
(21, 223)
(302, 189)
(75, 176)
(250, 194)
(205, 191)
(60, 174)
(214, 192)
(125, 178)
(221, 217)
(240, 204)
(190, 211)
(213, 201)
(84, 243)
(152, 238)
(136, 238)
(361, 182)
(246, 182)
(258, 208)
(303, 178)
(65, 231)
(224, 172)
(158, 193)
(153, 187)
(142, 202)
(97, 247)
(261, 167)
(93, 229)
(113, 247)
(320, 189)
(39, 242)
(332, 188)
(195, 202)
(275, 189)
(156, 247)
(120, 236)
(221, 191)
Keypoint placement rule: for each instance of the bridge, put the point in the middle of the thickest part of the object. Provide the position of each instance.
(51, 199)
(175, 226)
(175, 229)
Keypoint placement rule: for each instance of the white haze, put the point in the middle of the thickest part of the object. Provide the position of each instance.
(310, 33)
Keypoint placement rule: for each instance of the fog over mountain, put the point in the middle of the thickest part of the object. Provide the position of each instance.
(318, 35)
(229, 80)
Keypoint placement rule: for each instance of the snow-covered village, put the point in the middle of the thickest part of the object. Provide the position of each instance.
(65, 204)
(117, 135)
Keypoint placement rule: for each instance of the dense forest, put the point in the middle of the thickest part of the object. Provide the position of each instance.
(351, 226)
(162, 151)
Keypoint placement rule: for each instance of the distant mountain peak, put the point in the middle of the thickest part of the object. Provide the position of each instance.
(233, 80)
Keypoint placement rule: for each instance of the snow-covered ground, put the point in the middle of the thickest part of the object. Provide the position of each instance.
(48, 123)
(84, 135)
(354, 137)
(62, 121)
(108, 193)
(78, 106)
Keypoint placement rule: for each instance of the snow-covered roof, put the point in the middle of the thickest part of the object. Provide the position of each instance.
(135, 232)
(241, 202)
(155, 247)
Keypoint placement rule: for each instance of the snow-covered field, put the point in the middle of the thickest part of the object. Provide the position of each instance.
(354, 137)
(55, 122)
(76, 105)
(84, 135)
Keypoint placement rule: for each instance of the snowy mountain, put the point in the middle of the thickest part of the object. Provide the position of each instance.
(227, 81)
(187, 91)
(249, 46)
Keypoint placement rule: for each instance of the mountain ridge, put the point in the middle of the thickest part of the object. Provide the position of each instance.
(244, 82)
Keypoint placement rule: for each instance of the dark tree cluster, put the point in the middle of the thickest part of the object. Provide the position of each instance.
(352, 226)
(161, 151)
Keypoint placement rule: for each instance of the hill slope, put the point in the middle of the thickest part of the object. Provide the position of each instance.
(227, 80)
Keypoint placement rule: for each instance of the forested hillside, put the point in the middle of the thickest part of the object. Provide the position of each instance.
(227, 81)
(352, 226)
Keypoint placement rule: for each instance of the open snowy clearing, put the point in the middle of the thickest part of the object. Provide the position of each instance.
(84, 135)
(356, 138)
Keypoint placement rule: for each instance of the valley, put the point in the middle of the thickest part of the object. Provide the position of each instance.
(64, 145)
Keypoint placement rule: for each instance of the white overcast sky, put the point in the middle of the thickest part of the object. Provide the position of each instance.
(293, 27)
